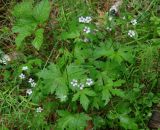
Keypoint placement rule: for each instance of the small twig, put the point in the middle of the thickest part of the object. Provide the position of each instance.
(49, 57)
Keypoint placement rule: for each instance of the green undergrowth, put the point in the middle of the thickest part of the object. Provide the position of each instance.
(73, 65)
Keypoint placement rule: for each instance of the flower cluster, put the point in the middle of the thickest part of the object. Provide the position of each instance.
(86, 40)
(81, 86)
(22, 76)
(134, 22)
(131, 33)
(87, 29)
(29, 91)
(88, 82)
(74, 82)
(87, 19)
(109, 29)
(39, 109)
(5, 59)
(30, 81)
(24, 68)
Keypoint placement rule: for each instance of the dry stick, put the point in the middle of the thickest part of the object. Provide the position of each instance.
(47, 62)
(48, 58)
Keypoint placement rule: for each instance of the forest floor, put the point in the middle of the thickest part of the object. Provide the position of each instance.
(79, 64)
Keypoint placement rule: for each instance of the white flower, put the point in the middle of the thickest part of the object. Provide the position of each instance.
(5, 59)
(22, 76)
(87, 29)
(89, 82)
(81, 19)
(86, 40)
(81, 86)
(109, 29)
(88, 19)
(30, 80)
(39, 109)
(134, 22)
(74, 82)
(29, 91)
(33, 84)
(25, 68)
(131, 33)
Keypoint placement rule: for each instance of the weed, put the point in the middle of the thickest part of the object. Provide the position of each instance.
(79, 65)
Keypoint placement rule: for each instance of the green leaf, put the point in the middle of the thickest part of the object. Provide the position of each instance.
(155, 20)
(97, 102)
(23, 9)
(103, 51)
(37, 42)
(116, 57)
(74, 70)
(76, 96)
(53, 81)
(70, 35)
(20, 38)
(123, 107)
(158, 30)
(106, 95)
(118, 92)
(82, 52)
(118, 83)
(38, 120)
(126, 55)
(84, 101)
(72, 121)
(128, 123)
(72, 32)
(24, 28)
(83, 95)
(27, 19)
(89, 92)
(51, 72)
(63, 113)
(41, 11)
(98, 122)
(24, 25)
